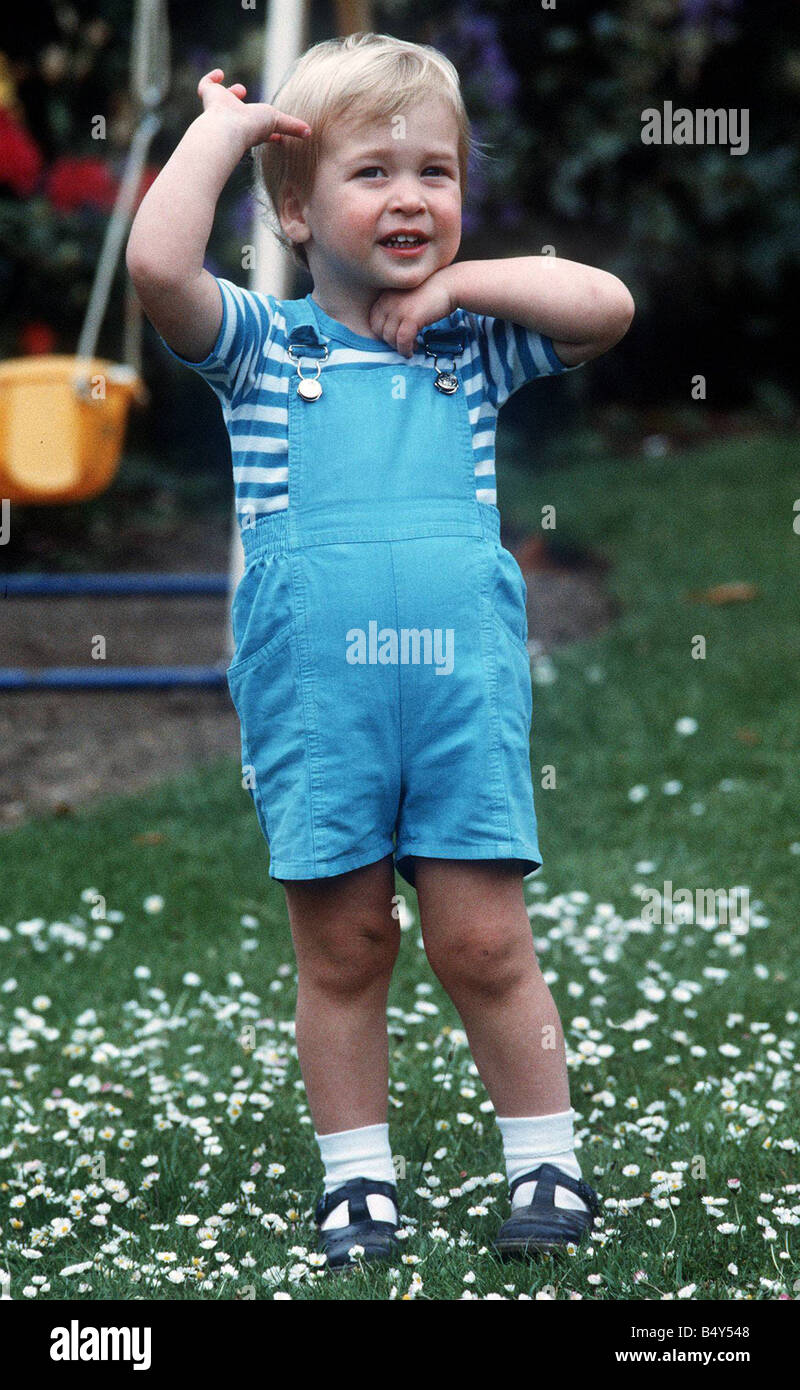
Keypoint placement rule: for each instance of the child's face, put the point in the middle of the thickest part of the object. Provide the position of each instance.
(373, 178)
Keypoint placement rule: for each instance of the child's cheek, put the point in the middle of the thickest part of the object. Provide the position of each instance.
(360, 229)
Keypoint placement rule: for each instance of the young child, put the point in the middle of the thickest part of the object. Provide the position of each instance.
(381, 674)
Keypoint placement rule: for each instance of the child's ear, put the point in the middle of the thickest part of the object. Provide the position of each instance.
(292, 219)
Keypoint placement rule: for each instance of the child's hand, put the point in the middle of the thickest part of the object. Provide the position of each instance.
(257, 120)
(398, 315)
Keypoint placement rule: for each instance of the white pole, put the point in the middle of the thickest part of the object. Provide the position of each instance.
(272, 271)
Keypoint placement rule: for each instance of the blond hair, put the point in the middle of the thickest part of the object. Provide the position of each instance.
(363, 75)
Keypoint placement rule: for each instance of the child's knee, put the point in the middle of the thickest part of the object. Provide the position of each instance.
(350, 958)
(480, 960)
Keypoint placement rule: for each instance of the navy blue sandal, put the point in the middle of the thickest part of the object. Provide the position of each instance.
(541, 1225)
(378, 1238)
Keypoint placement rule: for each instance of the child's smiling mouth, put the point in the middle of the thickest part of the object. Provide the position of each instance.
(405, 244)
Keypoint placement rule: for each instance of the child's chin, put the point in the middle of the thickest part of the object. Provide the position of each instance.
(416, 271)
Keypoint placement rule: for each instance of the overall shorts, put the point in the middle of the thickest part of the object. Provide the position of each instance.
(381, 674)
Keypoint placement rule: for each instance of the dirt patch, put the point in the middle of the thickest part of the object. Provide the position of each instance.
(567, 599)
(59, 749)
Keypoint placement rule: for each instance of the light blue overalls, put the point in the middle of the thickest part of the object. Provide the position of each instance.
(381, 675)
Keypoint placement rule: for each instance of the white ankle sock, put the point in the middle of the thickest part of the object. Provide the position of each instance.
(358, 1153)
(531, 1140)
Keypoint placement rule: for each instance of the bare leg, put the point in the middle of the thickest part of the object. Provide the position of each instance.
(478, 940)
(346, 942)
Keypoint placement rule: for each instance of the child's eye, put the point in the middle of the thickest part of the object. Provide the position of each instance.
(376, 168)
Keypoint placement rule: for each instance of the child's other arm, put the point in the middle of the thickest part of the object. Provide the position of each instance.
(584, 311)
(170, 232)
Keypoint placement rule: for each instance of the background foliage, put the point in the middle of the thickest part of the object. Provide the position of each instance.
(707, 241)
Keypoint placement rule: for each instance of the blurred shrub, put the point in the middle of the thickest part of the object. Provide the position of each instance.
(707, 241)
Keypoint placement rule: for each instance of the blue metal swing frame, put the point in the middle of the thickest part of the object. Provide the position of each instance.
(114, 677)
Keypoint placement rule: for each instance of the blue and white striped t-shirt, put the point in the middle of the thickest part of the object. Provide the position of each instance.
(249, 370)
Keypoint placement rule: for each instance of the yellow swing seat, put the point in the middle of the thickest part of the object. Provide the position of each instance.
(63, 416)
(62, 425)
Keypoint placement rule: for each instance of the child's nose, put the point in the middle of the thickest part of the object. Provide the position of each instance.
(407, 192)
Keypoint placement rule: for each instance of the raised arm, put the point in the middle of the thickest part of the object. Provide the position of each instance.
(170, 232)
(583, 310)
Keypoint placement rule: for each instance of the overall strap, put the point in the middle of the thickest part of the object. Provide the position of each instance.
(444, 342)
(302, 332)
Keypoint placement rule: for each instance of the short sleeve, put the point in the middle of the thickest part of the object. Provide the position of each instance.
(511, 355)
(232, 365)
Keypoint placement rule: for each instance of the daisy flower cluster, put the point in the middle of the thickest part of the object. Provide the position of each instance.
(159, 1141)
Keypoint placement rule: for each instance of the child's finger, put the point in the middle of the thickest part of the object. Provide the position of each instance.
(216, 75)
(279, 139)
(291, 125)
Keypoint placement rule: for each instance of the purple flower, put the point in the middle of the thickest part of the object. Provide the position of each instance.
(471, 41)
(502, 82)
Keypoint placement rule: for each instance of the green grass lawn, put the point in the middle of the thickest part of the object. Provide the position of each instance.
(148, 1067)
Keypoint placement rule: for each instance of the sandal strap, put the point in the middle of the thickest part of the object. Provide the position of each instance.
(355, 1193)
(547, 1177)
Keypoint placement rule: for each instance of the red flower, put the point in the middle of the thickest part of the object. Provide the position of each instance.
(83, 182)
(36, 338)
(20, 160)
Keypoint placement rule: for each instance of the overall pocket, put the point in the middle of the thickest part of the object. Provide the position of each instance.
(265, 687)
(262, 608)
